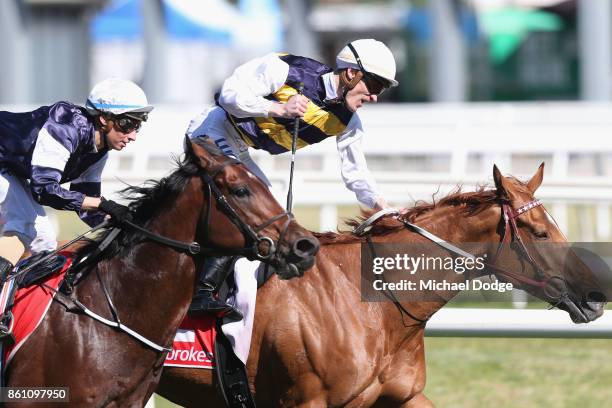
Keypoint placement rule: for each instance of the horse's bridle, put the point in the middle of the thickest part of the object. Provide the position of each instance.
(510, 236)
(251, 234)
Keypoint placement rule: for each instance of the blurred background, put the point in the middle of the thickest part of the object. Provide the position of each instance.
(511, 82)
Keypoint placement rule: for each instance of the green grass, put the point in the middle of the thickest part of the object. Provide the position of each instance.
(511, 373)
(500, 373)
(161, 402)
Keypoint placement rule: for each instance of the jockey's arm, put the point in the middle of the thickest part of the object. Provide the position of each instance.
(89, 183)
(49, 159)
(243, 93)
(354, 169)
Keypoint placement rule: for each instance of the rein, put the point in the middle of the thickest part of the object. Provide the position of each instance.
(510, 235)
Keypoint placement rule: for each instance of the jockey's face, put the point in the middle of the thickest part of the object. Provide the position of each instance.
(356, 97)
(117, 138)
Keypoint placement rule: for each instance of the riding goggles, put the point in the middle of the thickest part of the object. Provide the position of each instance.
(375, 84)
(128, 123)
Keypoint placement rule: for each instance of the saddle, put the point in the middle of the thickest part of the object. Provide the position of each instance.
(27, 272)
(41, 271)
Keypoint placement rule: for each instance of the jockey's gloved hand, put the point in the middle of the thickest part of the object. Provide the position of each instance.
(119, 213)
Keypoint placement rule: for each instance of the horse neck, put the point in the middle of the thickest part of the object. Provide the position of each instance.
(153, 276)
(454, 226)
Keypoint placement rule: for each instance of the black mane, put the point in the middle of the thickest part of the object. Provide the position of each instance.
(146, 200)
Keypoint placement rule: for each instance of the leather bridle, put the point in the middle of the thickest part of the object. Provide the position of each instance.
(511, 237)
(251, 234)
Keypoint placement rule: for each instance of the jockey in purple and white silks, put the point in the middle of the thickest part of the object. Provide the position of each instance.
(52, 145)
(257, 107)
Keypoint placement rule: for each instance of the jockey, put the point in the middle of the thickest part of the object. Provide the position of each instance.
(51, 145)
(257, 106)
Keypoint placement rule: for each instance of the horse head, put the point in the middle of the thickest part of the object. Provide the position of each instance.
(551, 270)
(245, 211)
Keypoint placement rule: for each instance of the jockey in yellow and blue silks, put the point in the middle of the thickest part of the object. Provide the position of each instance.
(52, 145)
(259, 102)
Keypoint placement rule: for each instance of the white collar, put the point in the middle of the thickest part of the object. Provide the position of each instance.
(331, 90)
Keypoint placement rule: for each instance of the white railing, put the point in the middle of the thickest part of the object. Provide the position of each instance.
(466, 139)
(462, 142)
(457, 322)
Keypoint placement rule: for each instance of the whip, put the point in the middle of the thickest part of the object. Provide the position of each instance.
(296, 127)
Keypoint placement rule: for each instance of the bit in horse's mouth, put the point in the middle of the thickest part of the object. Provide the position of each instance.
(294, 270)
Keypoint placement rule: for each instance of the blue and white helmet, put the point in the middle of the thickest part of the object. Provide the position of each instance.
(118, 96)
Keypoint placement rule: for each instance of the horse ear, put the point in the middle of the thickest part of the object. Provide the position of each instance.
(536, 180)
(499, 183)
(205, 158)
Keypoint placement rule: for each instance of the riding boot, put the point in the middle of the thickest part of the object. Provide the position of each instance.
(212, 275)
(5, 268)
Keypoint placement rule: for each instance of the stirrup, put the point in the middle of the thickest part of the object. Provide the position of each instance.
(6, 329)
(233, 314)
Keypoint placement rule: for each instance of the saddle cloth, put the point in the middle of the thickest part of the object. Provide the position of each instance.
(31, 305)
(194, 342)
(193, 345)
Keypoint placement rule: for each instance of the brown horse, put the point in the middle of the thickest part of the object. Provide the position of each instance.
(210, 199)
(317, 344)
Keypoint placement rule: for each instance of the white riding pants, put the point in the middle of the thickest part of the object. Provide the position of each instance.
(23, 216)
(213, 123)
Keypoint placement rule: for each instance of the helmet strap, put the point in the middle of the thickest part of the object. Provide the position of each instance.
(348, 84)
(103, 128)
(105, 136)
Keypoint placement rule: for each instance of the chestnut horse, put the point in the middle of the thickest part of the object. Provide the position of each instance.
(317, 344)
(146, 280)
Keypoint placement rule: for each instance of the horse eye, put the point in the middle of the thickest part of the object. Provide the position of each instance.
(241, 192)
(541, 234)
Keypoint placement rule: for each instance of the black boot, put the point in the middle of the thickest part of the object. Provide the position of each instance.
(212, 274)
(5, 320)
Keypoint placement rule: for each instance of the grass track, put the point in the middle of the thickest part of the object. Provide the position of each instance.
(500, 373)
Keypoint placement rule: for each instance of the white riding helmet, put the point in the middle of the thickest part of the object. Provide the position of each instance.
(376, 58)
(118, 96)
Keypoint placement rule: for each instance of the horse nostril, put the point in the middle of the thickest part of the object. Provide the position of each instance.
(595, 296)
(306, 246)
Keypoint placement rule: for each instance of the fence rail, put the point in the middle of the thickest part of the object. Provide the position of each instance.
(525, 323)
(415, 150)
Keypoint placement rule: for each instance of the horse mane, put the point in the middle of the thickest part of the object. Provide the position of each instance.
(468, 203)
(146, 200)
